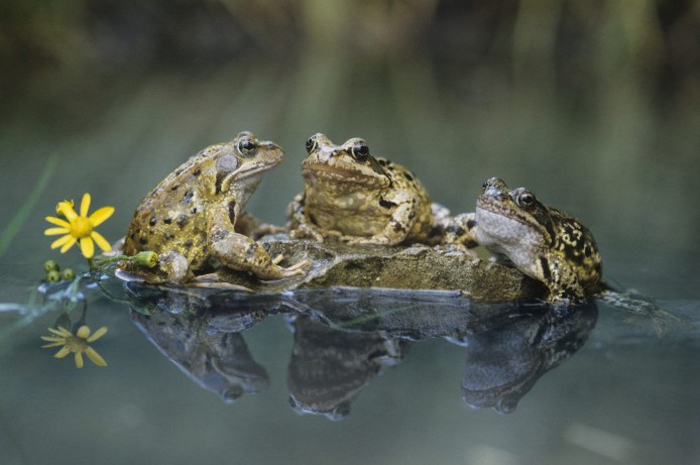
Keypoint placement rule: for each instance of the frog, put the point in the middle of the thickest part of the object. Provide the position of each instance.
(195, 220)
(542, 242)
(359, 199)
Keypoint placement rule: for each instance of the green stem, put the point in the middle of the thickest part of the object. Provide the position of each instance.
(13, 227)
(97, 264)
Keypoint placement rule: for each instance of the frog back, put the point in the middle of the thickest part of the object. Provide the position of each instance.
(404, 182)
(575, 244)
(172, 216)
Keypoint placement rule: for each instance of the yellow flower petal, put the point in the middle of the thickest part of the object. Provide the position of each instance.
(52, 338)
(95, 357)
(66, 209)
(85, 205)
(54, 231)
(53, 344)
(87, 247)
(97, 334)
(78, 360)
(83, 332)
(58, 222)
(100, 216)
(61, 331)
(101, 241)
(64, 331)
(60, 241)
(69, 244)
(62, 353)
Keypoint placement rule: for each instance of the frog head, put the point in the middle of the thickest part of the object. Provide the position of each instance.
(512, 222)
(348, 167)
(238, 165)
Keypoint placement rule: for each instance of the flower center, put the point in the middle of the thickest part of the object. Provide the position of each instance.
(80, 227)
(76, 344)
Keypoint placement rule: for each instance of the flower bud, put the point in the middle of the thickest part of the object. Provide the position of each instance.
(53, 276)
(146, 259)
(50, 265)
(68, 274)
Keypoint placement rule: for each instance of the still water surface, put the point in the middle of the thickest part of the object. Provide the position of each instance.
(596, 386)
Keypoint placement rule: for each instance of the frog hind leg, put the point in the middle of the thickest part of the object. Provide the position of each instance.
(461, 230)
(561, 280)
(395, 232)
(250, 226)
(240, 252)
(298, 226)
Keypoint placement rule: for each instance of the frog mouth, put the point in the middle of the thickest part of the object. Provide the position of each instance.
(248, 171)
(340, 175)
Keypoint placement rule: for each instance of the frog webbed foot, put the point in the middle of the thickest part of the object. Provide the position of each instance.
(565, 298)
(373, 240)
(304, 231)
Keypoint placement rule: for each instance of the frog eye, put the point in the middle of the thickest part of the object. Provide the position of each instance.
(360, 151)
(485, 185)
(311, 144)
(526, 199)
(247, 147)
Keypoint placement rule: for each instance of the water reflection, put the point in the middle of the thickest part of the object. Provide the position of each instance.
(328, 367)
(504, 363)
(200, 333)
(344, 338)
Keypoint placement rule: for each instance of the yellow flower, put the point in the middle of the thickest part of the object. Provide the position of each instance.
(79, 227)
(76, 344)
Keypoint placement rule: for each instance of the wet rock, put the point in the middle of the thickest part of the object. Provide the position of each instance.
(415, 267)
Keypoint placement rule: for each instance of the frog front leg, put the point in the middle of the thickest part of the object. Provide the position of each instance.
(561, 280)
(395, 231)
(240, 252)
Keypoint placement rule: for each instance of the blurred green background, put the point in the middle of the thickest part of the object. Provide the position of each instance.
(594, 104)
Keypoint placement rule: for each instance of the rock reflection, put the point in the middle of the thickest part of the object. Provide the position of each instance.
(505, 362)
(200, 333)
(328, 368)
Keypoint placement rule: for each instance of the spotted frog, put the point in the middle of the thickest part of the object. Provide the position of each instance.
(356, 198)
(194, 219)
(540, 241)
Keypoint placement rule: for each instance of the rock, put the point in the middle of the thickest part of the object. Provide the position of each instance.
(416, 267)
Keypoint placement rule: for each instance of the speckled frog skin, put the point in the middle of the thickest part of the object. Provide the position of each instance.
(356, 198)
(542, 242)
(194, 219)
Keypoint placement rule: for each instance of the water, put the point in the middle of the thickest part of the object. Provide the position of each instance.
(624, 166)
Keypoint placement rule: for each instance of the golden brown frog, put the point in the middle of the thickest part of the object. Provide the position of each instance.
(356, 198)
(194, 219)
(542, 242)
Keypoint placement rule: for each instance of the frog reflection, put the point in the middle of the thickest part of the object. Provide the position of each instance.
(328, 368)
(504, 363)
(202, 337)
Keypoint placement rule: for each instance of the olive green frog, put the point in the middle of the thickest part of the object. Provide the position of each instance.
(542, 242)
(195, 220)
(353, 197)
